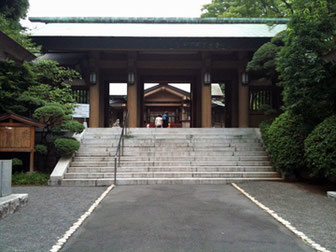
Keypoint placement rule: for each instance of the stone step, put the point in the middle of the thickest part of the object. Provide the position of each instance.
(135, 142)
(172, 163)
(173, 175)
(175, 158)
(172, 148)
(170, 156)
(171, 169)
(229, 152)
(152, 181)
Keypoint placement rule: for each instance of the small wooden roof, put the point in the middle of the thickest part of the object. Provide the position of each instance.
(21, 119)
(170, 89)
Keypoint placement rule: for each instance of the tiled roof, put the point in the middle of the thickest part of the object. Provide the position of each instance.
(158, 20)
(159, 27)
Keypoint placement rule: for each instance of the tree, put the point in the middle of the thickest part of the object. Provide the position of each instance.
(39, 90)
(308, 81)
(11, 11)
(248, 8)
(26, 87)
(263, 63)
(14, 10)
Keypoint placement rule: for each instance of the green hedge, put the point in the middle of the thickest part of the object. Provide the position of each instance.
(320, 149)
(42, 149)
(284, 140)
(30, 179)
(73, 126)
(66, 146)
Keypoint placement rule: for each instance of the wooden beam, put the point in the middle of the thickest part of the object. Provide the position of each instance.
(162, 64)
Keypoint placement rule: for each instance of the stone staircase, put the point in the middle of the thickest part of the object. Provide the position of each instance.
(170, 156)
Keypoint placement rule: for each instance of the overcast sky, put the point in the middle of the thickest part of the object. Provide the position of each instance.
(117, 8)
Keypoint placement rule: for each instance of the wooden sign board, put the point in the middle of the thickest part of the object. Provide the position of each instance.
(17, 134)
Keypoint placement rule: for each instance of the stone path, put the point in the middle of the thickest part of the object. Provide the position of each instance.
(305, 206)
(47, 216)
(181, 218)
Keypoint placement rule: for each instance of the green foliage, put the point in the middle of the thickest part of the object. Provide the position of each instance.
(49, 72)
(41, 149)
(320, 148)
(73, 126)
(17, 162)
(14, 80)
(14, 9)
(11, 11)
(284, 141)
(247, 8)
(15, 31)
(263, 63)
(50, 114)
(66, 146)
(23, 88)
(30, 179)
(308, 82)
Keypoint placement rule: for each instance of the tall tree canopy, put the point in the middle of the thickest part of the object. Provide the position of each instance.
(14, 9)
(247, 8)
(308, 81)
(11, 11)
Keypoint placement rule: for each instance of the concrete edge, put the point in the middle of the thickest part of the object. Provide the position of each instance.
(60, 243)
(63, 164)
(331, 195)
(11, 203)
(284, 222)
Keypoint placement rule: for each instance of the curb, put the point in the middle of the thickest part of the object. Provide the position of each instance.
(60, 243)
(284, 222)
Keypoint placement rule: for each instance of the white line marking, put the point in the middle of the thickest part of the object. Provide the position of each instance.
(287, 224)
(60, 243)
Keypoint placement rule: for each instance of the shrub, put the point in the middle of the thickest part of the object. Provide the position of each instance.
(17, 162)
(30, 179)
(320, 148)
(42, 149)
(50, 114)
(73, 126)
(66, 146)
(284, 140)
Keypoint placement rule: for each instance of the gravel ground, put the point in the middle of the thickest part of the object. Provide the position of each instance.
(306, 207)
(50, 212)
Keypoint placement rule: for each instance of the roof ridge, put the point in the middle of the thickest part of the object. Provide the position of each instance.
(159, 20)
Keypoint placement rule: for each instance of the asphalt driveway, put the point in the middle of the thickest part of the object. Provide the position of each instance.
(181, 218)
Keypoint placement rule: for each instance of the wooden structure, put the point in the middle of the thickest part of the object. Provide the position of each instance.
(164, 97)
(17, 134)
(199, 51)
(12, 50)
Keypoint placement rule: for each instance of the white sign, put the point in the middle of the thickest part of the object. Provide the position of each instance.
(82, 111)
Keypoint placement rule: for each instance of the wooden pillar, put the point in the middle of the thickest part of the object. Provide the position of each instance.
(133, 92)
(243, 101)
(206, 105)
(102, 98)
(95, 92)
(234, 102)
(32, 143)
(206, 93)
(140, 104)
(132, 101)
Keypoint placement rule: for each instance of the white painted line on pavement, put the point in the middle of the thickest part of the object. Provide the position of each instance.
(287, 224)
(60, 243)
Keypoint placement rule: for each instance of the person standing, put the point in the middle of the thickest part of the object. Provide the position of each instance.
(165, 120)
(158, 121)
